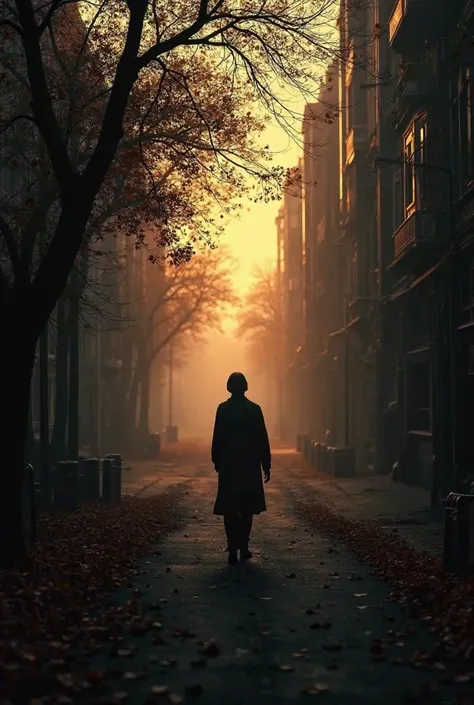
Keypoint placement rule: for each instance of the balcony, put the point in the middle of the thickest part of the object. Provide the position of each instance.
(403, 25)
(416, 80)
(418, 230)
(415, 85)
(356, 140)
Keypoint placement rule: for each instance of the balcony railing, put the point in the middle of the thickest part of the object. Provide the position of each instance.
(416, 80)
(355, 140)
(418, 229)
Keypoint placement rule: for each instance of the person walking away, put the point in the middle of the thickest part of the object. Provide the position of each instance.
(240, 452)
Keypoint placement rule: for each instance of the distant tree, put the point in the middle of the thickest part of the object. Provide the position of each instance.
(260, 324)
(180, 304)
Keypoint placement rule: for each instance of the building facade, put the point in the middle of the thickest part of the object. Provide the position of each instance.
(291, 287)
(388, 259)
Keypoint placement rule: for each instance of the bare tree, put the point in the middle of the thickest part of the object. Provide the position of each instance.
(260, 324)
(180, 305)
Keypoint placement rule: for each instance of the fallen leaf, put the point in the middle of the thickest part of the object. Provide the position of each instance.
(360, 594)
(286, 667)
(174, 699)
(315, 689)
(159, 689)
(133, 676)
(211, 648)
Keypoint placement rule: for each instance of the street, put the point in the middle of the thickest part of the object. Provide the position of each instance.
(303, 619)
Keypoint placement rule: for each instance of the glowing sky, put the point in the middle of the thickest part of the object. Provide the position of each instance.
(252, 235)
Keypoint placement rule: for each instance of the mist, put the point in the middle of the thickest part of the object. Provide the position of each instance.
(200, 385)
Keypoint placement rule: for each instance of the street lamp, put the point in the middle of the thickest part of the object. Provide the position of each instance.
(448, 250)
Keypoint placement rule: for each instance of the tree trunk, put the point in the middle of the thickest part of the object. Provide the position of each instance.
(73, 407)
(17, 354)
(44, 416)
(130, 411)
(58, 443)
(144, 406)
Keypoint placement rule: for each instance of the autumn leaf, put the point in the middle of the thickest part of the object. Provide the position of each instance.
(211, 648)
(316, 689)
(80, 557)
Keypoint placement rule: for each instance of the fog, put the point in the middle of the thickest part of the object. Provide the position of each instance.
(200, 385)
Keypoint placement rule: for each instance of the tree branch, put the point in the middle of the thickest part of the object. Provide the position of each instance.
(12, 248)
(41, 103)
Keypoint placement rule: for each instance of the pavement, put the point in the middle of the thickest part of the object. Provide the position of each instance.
(303, 619)
(399, 507)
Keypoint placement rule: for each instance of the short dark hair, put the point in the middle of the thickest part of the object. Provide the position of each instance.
(237, 384)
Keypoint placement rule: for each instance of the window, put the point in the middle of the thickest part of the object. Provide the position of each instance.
(421, 174)
(409, 171)
(462, 121)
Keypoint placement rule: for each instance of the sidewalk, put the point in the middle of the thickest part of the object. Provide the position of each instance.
(148, 477)
(304, 619)
(402, 508)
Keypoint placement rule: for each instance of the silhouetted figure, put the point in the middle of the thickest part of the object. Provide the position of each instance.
(240, 451)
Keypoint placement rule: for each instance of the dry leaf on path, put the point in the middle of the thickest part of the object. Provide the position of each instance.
(316, 689)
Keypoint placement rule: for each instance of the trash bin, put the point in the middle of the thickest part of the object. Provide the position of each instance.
(89, 480)
(172, 434)
(154, 445)
(330, 450)
(317, 455)
(458, 543)
(300, 442)
(307, 448)
(343, 462)
(66, 486)
(314, 453)
(112, 478)
(323, 456)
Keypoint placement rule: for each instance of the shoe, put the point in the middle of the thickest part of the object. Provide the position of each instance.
(232, 560)
(245, 554)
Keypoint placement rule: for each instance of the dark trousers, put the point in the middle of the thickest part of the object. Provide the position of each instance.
(238, 526)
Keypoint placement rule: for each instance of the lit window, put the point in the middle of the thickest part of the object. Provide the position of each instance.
(409, 172)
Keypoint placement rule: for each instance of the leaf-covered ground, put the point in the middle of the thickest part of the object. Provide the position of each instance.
(304, 619)
(310, 616)
(48, 615)
(417, 580)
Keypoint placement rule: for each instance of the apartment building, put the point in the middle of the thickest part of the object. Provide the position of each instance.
(291, 285)
(390, 302)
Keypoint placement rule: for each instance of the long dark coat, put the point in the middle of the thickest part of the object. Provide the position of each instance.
(240, 450)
